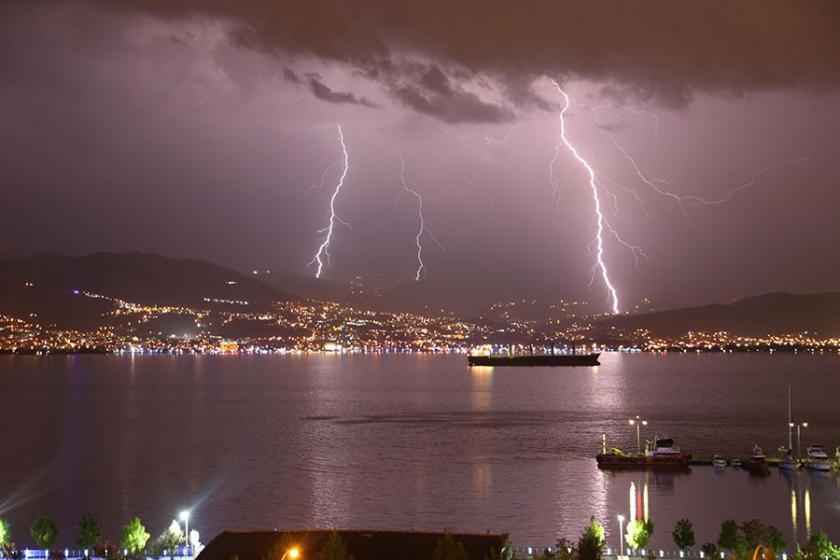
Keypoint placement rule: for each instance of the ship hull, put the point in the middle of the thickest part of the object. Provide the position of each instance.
(610, 461)
(536, 360)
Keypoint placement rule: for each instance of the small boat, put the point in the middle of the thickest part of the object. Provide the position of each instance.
(818, 458)
(758, 462)
(787, 462)
(737, 463)
(719, 462)
(663, 455)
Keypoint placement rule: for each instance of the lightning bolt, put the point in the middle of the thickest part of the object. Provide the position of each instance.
(421, 267)
(323, 253)
(601, 223)
(656, 183)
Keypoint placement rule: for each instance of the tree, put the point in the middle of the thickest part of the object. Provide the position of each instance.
(89, 533)
(447, 548)
(43, 531)
(591, 541)
(169, 540)
(756, 533)
(730, 538)
(566, 549)
(638, 533)
(5, 531)
(134, 536)
(683, 534)
(819, 547)
(775, 539)
(335, 549)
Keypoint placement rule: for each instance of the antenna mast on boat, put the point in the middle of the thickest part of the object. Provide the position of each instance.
(790, 426)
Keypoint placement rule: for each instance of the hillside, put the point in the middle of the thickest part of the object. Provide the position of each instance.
(774, 313)
(48, 288)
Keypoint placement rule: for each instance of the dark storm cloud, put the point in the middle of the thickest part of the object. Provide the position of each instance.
(324, 93)
(658, 50)
(434, 93)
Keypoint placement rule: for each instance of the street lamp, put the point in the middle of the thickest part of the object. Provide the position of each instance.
(292, 553)
(185, 517)
(798, 426)
(621, 535)
(638, 422)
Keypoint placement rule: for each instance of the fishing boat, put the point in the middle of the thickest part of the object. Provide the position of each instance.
(719, 462)
(817, 458)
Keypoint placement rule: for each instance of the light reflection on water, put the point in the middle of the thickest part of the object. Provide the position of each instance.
(418, 442)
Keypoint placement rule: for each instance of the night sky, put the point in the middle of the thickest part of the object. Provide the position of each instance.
(202, 129)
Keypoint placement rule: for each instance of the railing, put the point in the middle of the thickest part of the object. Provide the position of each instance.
(182, 552)
(642, 554)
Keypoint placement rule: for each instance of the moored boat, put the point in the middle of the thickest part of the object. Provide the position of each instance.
(663, 455)
(534, 360)
(787, 462)
(737, 463)
(818, 458)
(719, 462)
(758, 461)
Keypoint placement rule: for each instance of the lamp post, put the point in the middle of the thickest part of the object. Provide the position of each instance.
(799, 426)
(621, 535)
(638, 422)
(185, 517)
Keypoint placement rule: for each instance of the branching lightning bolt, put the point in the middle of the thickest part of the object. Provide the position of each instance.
(323, 253)
(415, 194)
(601, 223)
(421, 267)
(656, 183)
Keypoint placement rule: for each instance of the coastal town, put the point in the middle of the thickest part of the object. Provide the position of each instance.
(320, 326)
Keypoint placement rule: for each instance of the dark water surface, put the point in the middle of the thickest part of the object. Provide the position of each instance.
(403, 441)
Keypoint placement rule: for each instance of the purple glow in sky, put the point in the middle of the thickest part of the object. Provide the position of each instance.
(194, 129)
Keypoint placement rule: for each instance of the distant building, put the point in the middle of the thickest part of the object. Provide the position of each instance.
(228, 347)
(363, 545)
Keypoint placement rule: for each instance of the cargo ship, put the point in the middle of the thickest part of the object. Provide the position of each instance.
(534, 360)
(664, 455)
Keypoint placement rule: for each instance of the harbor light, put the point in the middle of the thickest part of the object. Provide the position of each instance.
(621, 533)
(292, 553)
(638, 422)
(185, 517)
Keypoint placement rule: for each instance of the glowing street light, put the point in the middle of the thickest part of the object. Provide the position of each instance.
(185, 517)
(638, 422)
(621, 535)
(799, 426)
(292, 553)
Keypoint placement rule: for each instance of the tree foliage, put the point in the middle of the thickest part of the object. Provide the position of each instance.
(335, 549)
(638, 533)
(742, 540)
(683, 534)
(730, 539)
(89, 533)
(168, 541)
(134, 536)
(820, 547)
(43, 531)
(591, 542)
(447, 548)
(5, 531)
